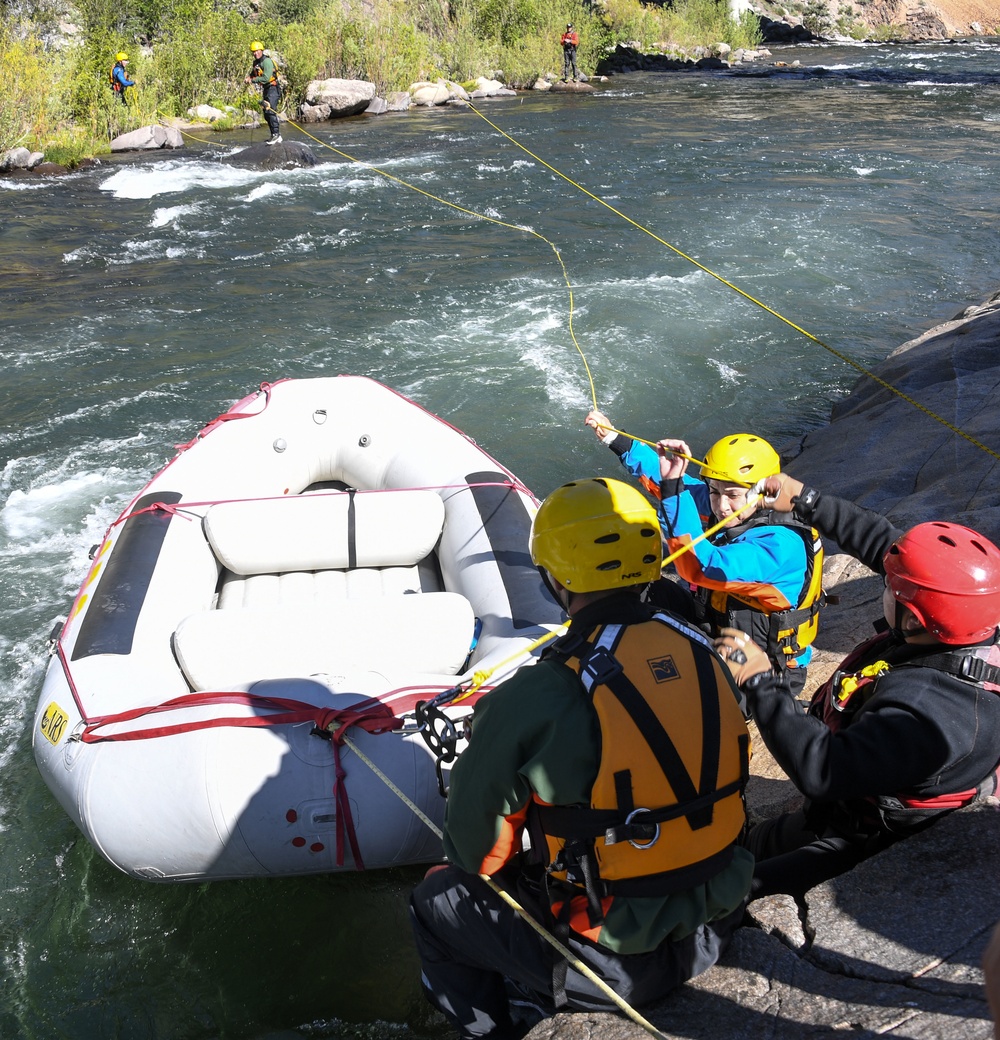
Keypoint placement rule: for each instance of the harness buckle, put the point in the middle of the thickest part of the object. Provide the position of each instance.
(641, 829)
(600, 667)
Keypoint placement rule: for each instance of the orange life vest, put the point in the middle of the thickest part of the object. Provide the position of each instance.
(667, 803)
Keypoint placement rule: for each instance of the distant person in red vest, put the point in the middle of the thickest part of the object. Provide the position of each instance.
(570, 41)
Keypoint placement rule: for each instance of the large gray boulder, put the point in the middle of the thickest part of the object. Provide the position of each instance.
(282, 156)
(882, 451)
(891, 949)
(20, 159)
(336, 98)
(148, 138)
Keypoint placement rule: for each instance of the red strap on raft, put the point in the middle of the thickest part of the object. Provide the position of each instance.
(228, 417)
(374, 717)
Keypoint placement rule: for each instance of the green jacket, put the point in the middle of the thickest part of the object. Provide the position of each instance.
(267, 72)
(538, 733)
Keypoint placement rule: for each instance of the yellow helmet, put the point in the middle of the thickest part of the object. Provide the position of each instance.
(256, 46)
(597, 534)
(121, 56)
(742, 458)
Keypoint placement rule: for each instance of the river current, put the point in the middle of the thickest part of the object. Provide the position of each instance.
(855, 196)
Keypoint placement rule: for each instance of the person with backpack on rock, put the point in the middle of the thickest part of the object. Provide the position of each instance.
(119, 80)
(908, 727)
(570, 40)
(623, 754)
(264, 73)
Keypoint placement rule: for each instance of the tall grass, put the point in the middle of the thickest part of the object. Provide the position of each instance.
(188, 52)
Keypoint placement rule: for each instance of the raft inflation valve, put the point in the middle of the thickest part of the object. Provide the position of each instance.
(319, 416)
(364, 440)
(280, 444)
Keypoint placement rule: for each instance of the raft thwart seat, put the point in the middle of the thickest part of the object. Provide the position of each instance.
(332, 531)
(424, 632)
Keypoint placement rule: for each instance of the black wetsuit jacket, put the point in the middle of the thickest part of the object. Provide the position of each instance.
(922, 733)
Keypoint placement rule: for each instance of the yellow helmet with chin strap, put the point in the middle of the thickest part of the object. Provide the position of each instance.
(256, 46)
(121, 56)
(597, 534)
(742, 458)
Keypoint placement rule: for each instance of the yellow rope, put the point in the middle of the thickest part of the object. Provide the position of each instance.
(478, 678)
(836, 353)
(512, 902)
(191, 137)
(479, 216)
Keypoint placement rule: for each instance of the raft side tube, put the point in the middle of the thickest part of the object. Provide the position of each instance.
(508, 525)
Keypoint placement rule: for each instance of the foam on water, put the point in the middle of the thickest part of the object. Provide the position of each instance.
(172, 215)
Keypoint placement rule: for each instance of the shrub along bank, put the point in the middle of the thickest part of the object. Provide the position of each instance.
(187, 52)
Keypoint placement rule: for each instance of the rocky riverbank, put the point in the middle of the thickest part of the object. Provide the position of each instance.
(892, 949)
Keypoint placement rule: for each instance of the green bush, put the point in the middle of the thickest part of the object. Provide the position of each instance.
(29, 83)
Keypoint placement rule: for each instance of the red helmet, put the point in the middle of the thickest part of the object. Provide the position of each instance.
(949, 576)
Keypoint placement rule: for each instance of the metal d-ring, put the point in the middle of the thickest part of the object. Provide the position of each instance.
(643, 844)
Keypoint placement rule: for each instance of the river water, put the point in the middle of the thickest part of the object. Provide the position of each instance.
(856, 197)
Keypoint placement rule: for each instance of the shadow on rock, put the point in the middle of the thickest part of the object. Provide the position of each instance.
(282, 156)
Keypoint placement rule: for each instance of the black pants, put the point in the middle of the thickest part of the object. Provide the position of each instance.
(569, 63)
(472, 945)
(269, 103)
(794, 855)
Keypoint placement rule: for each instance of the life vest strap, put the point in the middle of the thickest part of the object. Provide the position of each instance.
(962, 665)
(786, 624)
(584, 823)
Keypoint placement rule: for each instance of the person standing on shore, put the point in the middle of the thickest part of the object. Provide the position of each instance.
(265, 73)
(119, 80)
(570, 40)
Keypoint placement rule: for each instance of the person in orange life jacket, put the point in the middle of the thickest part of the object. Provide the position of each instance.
(908, 727)
(570, 40)
(760, 573)
(119, 80)
(579, 749)
(265, 74)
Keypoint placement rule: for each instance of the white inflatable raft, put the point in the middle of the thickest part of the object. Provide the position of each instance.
(326, 554)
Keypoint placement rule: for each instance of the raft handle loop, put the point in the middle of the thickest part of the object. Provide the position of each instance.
(54, 635)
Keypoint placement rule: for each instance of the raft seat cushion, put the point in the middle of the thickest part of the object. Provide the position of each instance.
(423, 632)
(319, 588)
(328, 531)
